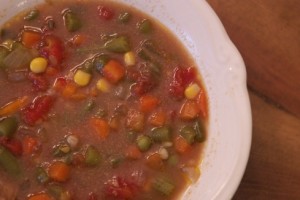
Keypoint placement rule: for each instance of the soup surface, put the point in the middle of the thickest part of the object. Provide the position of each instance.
(98, 101)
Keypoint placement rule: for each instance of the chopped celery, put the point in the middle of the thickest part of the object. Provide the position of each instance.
(118, 45)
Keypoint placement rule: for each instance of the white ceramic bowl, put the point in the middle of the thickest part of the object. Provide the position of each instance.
(229, 138)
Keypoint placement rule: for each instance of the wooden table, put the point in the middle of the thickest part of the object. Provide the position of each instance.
(267, 34)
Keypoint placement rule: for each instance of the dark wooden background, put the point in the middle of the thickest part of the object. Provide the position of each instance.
(267, 34)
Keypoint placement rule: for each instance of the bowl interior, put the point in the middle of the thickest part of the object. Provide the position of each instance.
(223, 71)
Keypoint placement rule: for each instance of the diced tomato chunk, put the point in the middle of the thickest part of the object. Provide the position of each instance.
(53, 50)
(105, 13)
(119, 188)
(37, 109)
(13, 145)
(39, 82)
(113, 71)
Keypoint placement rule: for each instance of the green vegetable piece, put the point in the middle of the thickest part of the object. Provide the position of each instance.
(161, 134)
(92, 156)
(55, 190)
(87, 66)
(144, 142)
(9, 162)
(115, 161)
(155, 68)
(41, 175)
(8, 126)
(100, 61)
(19, 57)
(200, 132)
(72, 22)
(145, 26)
(50, 24)
(163, 186)
(89, 105)
(118, 45)
(3, 53)
(188, 133)
(61, 150)
(124, 17)
(173, 160)
(31, 15)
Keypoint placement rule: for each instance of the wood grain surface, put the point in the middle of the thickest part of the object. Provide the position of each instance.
(267, 34)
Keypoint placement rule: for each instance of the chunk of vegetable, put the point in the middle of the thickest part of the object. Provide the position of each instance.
(133, 152)
(135, 120)
(129, 58)
(189, 110)
(9, 162)
(92, 156)
(103, 85)
(144, 142)
(124, 17)
(164, 186)
(61, 150)
(3, 53)
(113, 71)
(30, 145)
(31, 15)
(161, 134)
(100, 61)
(105, 13)
(82, 78)
(8, 126)
(30, 38)
(145, 26)
(71, 21)
(181, 145)
(73, 141)
(163, 153)
(59, 171)
(41, 175)
(148, 103)
(188, 133)
(13, 106)
(192, 91)
(100, 126)
(41, 196)
(38, 65)
(20, 57)
(200, 132)
(154, 161)
(118, 45)
(13, 145)
(158, 118)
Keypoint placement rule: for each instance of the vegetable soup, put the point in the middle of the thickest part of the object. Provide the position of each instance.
(98, 101)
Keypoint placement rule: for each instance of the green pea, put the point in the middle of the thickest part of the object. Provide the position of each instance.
(144, 142)
(92, 156)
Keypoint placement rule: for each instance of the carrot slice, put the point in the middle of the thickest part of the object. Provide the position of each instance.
(41, 196)
(202, 104)
(154, 161)
(133, 152)
(158, 118)
(148, 103)
(30, 38)
(100, 126)
(59, 171)
(181, 145)
(13, 106)
(189, 110)
(113, 71)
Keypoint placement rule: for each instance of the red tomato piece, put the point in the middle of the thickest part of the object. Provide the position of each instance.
(37, 109)
(53, 50)
(13, 145)
(105, 13)
(39, 82)
(119, 188)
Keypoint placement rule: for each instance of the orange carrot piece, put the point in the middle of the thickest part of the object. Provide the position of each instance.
(77, 40)
(154, 161)
(78, 96)
(69, 90)
(59, 171)
(133, 152)
(30, 38)
(30, 145)
(41, 196)
(202, 104)
(51, 71)
(158, 118)
(181, 145)
(148, 103)
(189, 110)
(13, 106)
(100, 126)
(113, 71)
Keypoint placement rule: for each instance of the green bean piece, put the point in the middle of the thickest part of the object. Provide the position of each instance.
(100, 61)
(41, 175)
(200, 132)
(163, 186)
(188, 133)
(8, 126)
(161, 134)
(31, 15)
(118, 45)
(9, 162)
(124, 17)
(173, 160)
(3, 53)
(145, 26)
(72, 22)
(92, 156)
(144, 142)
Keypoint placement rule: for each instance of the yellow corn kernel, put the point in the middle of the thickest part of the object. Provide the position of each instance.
(192, 91)
(103, 85)
(38, 65)
(129, 58)
(82, 78)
